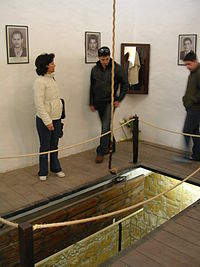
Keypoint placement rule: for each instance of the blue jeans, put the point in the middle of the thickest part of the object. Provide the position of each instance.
(104, 111)
(48, 141)
(191, 126)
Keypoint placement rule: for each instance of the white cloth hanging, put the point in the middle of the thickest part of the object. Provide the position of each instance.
(133, 70)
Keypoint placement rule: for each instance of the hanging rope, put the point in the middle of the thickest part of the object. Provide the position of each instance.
(112, 170)
(8, 223)
(93, 139)
(103, 216)
(169, 131)
(113, 213)
(64, 148)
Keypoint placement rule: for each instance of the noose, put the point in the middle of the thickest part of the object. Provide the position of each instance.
(112, 170)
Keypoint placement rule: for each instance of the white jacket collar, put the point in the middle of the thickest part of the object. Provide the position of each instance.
(50, 75)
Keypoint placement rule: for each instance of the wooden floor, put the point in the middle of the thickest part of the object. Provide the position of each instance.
(22, 188)
(175, 243)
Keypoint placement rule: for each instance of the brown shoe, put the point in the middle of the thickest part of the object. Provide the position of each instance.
(99, 159)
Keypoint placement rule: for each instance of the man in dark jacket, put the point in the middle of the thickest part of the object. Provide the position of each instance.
(191, 102)
(100, 95)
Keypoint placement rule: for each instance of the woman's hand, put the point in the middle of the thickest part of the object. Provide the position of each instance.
(50, 127)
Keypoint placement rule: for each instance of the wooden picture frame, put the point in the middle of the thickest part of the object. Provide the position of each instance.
(92, 44)
(17, 44)
(186, 43)
(135, 60)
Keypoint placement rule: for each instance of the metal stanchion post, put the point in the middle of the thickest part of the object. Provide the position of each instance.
(135, 138)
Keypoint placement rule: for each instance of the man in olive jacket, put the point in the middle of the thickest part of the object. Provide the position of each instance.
(100, 95)
(191, 102)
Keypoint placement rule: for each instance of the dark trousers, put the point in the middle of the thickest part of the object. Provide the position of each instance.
(48, 141)
(191, 126)
(104, 111)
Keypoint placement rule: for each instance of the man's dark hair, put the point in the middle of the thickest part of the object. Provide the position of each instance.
(187, 39)
(17, 32)
(104, 51)
(190, 57)
(92, 36)
(41, 63)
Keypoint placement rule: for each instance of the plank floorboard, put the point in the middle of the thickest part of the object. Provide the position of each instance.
(175, 243)
(179, 244)
(20, 188)
(133, 259)
(166, 255)
(180, 231)
(189, 222)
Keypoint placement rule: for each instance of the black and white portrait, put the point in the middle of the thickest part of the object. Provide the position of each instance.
(92, 44)
(186, 44)
(17, 44)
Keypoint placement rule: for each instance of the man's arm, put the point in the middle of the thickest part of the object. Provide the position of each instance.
(91, 100)
(197, 100)
(124, 84)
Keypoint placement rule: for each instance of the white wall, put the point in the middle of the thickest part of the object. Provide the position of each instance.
(159, 23)
(59, 27)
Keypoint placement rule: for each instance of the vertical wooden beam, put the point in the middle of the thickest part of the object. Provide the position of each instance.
(135, 138)
(25, 231)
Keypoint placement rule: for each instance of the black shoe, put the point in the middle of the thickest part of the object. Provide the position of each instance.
(195, 159)
(182, 159)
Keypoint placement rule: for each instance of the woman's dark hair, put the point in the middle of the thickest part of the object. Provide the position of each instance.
(41, 63)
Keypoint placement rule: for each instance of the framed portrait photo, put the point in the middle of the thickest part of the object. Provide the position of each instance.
(92, 44)
(17, 44)
(186, 44)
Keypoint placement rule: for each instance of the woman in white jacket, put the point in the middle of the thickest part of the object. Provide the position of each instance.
(48, 117)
